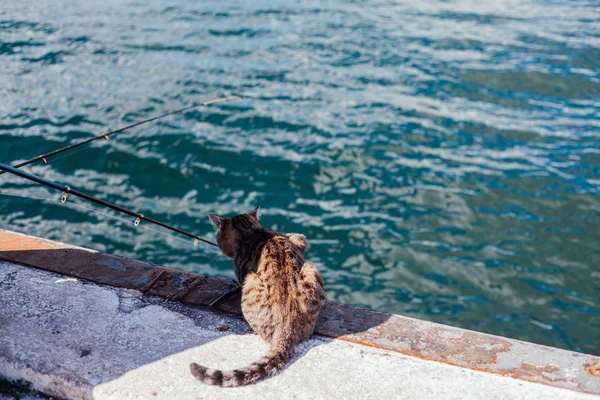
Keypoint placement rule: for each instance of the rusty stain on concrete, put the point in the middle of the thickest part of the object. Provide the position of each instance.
(529, 371)
(417, 338)
(594, 367)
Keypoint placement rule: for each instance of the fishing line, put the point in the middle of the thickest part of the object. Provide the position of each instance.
(44, 157)
(56, 161)
(66, 191)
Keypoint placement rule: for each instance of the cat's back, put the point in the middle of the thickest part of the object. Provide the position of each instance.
(280, 255)
(289, 290)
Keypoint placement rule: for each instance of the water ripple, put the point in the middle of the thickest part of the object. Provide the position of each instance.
(441, 157)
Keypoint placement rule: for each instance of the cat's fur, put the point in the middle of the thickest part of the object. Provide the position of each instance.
(281, 294)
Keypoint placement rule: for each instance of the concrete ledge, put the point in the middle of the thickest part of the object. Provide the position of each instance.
(76, 339)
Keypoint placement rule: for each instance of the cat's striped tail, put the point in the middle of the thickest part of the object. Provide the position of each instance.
(274, 360)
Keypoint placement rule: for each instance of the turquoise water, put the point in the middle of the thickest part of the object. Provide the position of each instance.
(443, 158)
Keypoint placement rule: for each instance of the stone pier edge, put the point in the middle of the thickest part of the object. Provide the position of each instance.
(409, 336)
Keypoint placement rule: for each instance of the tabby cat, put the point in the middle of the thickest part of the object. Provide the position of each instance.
(281, 294)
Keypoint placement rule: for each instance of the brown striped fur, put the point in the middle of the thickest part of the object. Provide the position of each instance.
(281, 294)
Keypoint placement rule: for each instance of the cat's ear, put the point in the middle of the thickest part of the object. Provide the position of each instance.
(255, 212)
(216, 221)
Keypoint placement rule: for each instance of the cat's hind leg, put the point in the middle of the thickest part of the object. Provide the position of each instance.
(257, 307)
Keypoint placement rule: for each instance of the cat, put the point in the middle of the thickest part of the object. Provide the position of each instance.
(282, 295)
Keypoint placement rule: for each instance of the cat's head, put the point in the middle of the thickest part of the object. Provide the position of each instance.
(231, 230)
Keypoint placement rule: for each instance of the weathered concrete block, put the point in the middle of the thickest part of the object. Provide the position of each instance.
(77, 339)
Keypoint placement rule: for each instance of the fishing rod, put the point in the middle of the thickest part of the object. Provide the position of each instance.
(67, 191)
(44, 157)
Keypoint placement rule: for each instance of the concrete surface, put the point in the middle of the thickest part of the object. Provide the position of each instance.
(76, 339)
(392, 333)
